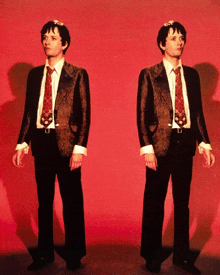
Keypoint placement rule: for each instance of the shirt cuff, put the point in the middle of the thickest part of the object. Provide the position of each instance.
(205, 146)
(80, 150)
(24, 146)
(147, 149)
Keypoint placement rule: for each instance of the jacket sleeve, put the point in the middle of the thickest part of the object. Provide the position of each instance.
(84, 96)
(145, 105)
(201, 131)
(25, 131)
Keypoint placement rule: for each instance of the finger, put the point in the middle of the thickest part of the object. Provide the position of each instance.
(20, 157)
(78, 164)
(21, 165)
(151, 165)
(205, 165)
(208, 160)
(156, 163)
(14, 160)
(72, 166)
(18, 160)
(212, 160)
(75, 165)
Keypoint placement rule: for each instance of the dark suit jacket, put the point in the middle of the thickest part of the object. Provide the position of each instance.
(71, 113)
(155, 112)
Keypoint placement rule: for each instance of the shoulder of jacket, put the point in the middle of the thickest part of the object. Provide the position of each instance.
(153, 69)
(190, 71)
(36, 71)
(73, 69)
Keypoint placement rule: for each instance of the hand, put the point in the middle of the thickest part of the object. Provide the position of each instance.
(151, 161)
(17, 159)
(75, 161)
(209, 158)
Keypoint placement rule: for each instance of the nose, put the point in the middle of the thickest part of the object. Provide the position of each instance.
(46, 42)
(180, 42)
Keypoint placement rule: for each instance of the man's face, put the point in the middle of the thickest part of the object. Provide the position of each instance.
(174, 44)
(52, 43)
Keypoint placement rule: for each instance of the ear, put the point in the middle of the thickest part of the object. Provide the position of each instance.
(65, 46)
(162, 47)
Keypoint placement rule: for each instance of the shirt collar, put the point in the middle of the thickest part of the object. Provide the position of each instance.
(58, 67)
(169, 67)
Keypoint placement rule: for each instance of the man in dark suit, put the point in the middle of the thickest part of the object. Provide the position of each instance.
(56, 122)
(170, 121)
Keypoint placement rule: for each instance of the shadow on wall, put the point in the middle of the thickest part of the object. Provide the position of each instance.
(19, 184)
(205, 194)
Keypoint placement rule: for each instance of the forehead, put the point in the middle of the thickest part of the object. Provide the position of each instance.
(174, 32)
(52, 32)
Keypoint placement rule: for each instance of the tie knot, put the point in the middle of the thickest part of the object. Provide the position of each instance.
(49, 70)
(177, 70)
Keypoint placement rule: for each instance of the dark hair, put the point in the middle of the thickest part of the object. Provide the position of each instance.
(164, 30)
(63, 31)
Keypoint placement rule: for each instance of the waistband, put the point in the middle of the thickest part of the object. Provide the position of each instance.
(45, 130)
(181, 130)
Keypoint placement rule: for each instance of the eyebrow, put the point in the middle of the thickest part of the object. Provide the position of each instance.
(172, 35)
(54, 36)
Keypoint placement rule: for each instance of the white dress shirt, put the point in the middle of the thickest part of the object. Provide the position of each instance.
(55, 82)
(171, 81)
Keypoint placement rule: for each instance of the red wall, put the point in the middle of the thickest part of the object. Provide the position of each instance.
(113, 40)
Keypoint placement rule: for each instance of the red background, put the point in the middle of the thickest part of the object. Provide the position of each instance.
(113, 40)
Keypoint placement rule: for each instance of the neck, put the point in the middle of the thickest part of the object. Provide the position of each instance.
(52, 61)
(172, 60)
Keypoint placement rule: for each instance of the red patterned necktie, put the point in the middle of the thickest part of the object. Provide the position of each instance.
(180, 116)
(46, 117)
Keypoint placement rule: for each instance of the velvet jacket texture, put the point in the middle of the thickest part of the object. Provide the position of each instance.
(71, 112)
(155, 111)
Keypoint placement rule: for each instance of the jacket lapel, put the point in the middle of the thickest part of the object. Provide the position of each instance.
(188, 85)
(66, 83)
(162, 86)
(37, 87)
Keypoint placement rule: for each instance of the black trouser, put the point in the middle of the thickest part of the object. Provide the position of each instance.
(49, 164)
(177, 164)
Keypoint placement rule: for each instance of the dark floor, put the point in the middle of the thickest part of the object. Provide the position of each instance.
(105, 259)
